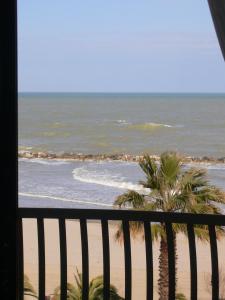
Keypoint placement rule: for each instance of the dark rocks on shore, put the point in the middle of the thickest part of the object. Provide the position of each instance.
(221, 159)
(123, 157)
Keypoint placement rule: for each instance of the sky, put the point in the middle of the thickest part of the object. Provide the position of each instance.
(118, 46)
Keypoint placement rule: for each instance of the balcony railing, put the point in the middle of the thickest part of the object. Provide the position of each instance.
(125, 216)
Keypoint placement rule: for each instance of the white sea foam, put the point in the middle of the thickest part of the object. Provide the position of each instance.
(55, 162)
(143, 126)
(159, 125)
(148, 126)
(106, 179)
(209, 166)
(122, 122)
(65, 199)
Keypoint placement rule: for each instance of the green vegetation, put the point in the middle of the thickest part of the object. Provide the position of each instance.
(171, 189)
(74, 292)
(28, 288)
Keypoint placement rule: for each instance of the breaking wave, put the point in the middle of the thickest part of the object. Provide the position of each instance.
(208, 166)
(142, 126)
(148, 126)
(106, 179)
(45, 161)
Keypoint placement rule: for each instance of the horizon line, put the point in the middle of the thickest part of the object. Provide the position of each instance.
(110, 92)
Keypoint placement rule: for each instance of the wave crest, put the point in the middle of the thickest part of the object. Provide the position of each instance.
(106, 179)
(44, 161)
(149, 126)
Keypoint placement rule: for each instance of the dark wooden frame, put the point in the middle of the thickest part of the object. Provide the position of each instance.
(217, 8)
(8, 149)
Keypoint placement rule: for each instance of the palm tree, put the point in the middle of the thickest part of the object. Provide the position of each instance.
(28, 288)
(171, 189)
(74, 292)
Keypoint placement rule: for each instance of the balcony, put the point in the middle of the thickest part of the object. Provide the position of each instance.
(104, 217)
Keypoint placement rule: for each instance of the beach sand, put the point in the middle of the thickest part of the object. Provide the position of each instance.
(116, 259)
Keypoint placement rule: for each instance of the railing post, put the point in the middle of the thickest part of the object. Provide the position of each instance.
(149, 260)
(127, 257)
(214, 263)
(85, 259)
(193, 262)
(171, 261)
(125, 216)
(41, 257)
(106, 259)
(63, 259)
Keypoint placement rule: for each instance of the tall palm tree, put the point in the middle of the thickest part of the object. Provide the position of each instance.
(74, 292)
(171, 189)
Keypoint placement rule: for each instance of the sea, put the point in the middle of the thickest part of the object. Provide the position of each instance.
(111, 123)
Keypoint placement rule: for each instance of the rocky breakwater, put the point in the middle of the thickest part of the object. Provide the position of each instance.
(77, 156)
(116, 157)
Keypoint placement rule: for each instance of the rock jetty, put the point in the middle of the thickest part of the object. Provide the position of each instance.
(115, 157)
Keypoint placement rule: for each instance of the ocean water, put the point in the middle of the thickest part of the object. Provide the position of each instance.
(110, 123)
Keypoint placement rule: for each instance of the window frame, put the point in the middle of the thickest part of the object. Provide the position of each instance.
(9, 135)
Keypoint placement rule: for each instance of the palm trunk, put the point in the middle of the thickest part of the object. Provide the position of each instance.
(163, 281)
(163, 271)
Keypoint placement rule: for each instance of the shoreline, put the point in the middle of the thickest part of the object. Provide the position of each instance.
(109, 157)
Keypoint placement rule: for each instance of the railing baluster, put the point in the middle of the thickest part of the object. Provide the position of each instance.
(41, 258)
(193, 262)
(149, 261)
(171, 260)
(85, 260)
(63, 259)
(20, 259)
(214, 262)
(125, 216)
(106, 259)
(127, 257)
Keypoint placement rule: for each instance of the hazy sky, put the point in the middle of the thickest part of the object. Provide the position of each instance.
(118, 46)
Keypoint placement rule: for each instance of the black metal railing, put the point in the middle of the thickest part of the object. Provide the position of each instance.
(125, 216)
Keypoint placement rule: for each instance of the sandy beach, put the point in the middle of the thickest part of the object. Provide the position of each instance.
(116, 258)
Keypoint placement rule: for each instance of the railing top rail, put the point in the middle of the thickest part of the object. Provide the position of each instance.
(119, 214)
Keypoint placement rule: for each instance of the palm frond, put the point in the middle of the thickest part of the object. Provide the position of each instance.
(212, 193)
(130, 199)
(28, 287)
(72, 293)
(170, 167)
(202, 208)
(136, 229)
(171, 189)
(78, 279)
(149, 167)
(202, 233)
(194, 178)
(152, 206)
(96, 289)
(180, 296)
(157, 231)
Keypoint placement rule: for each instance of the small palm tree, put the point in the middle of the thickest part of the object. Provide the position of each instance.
(28, 288)
(74, 292)
(171, 189)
